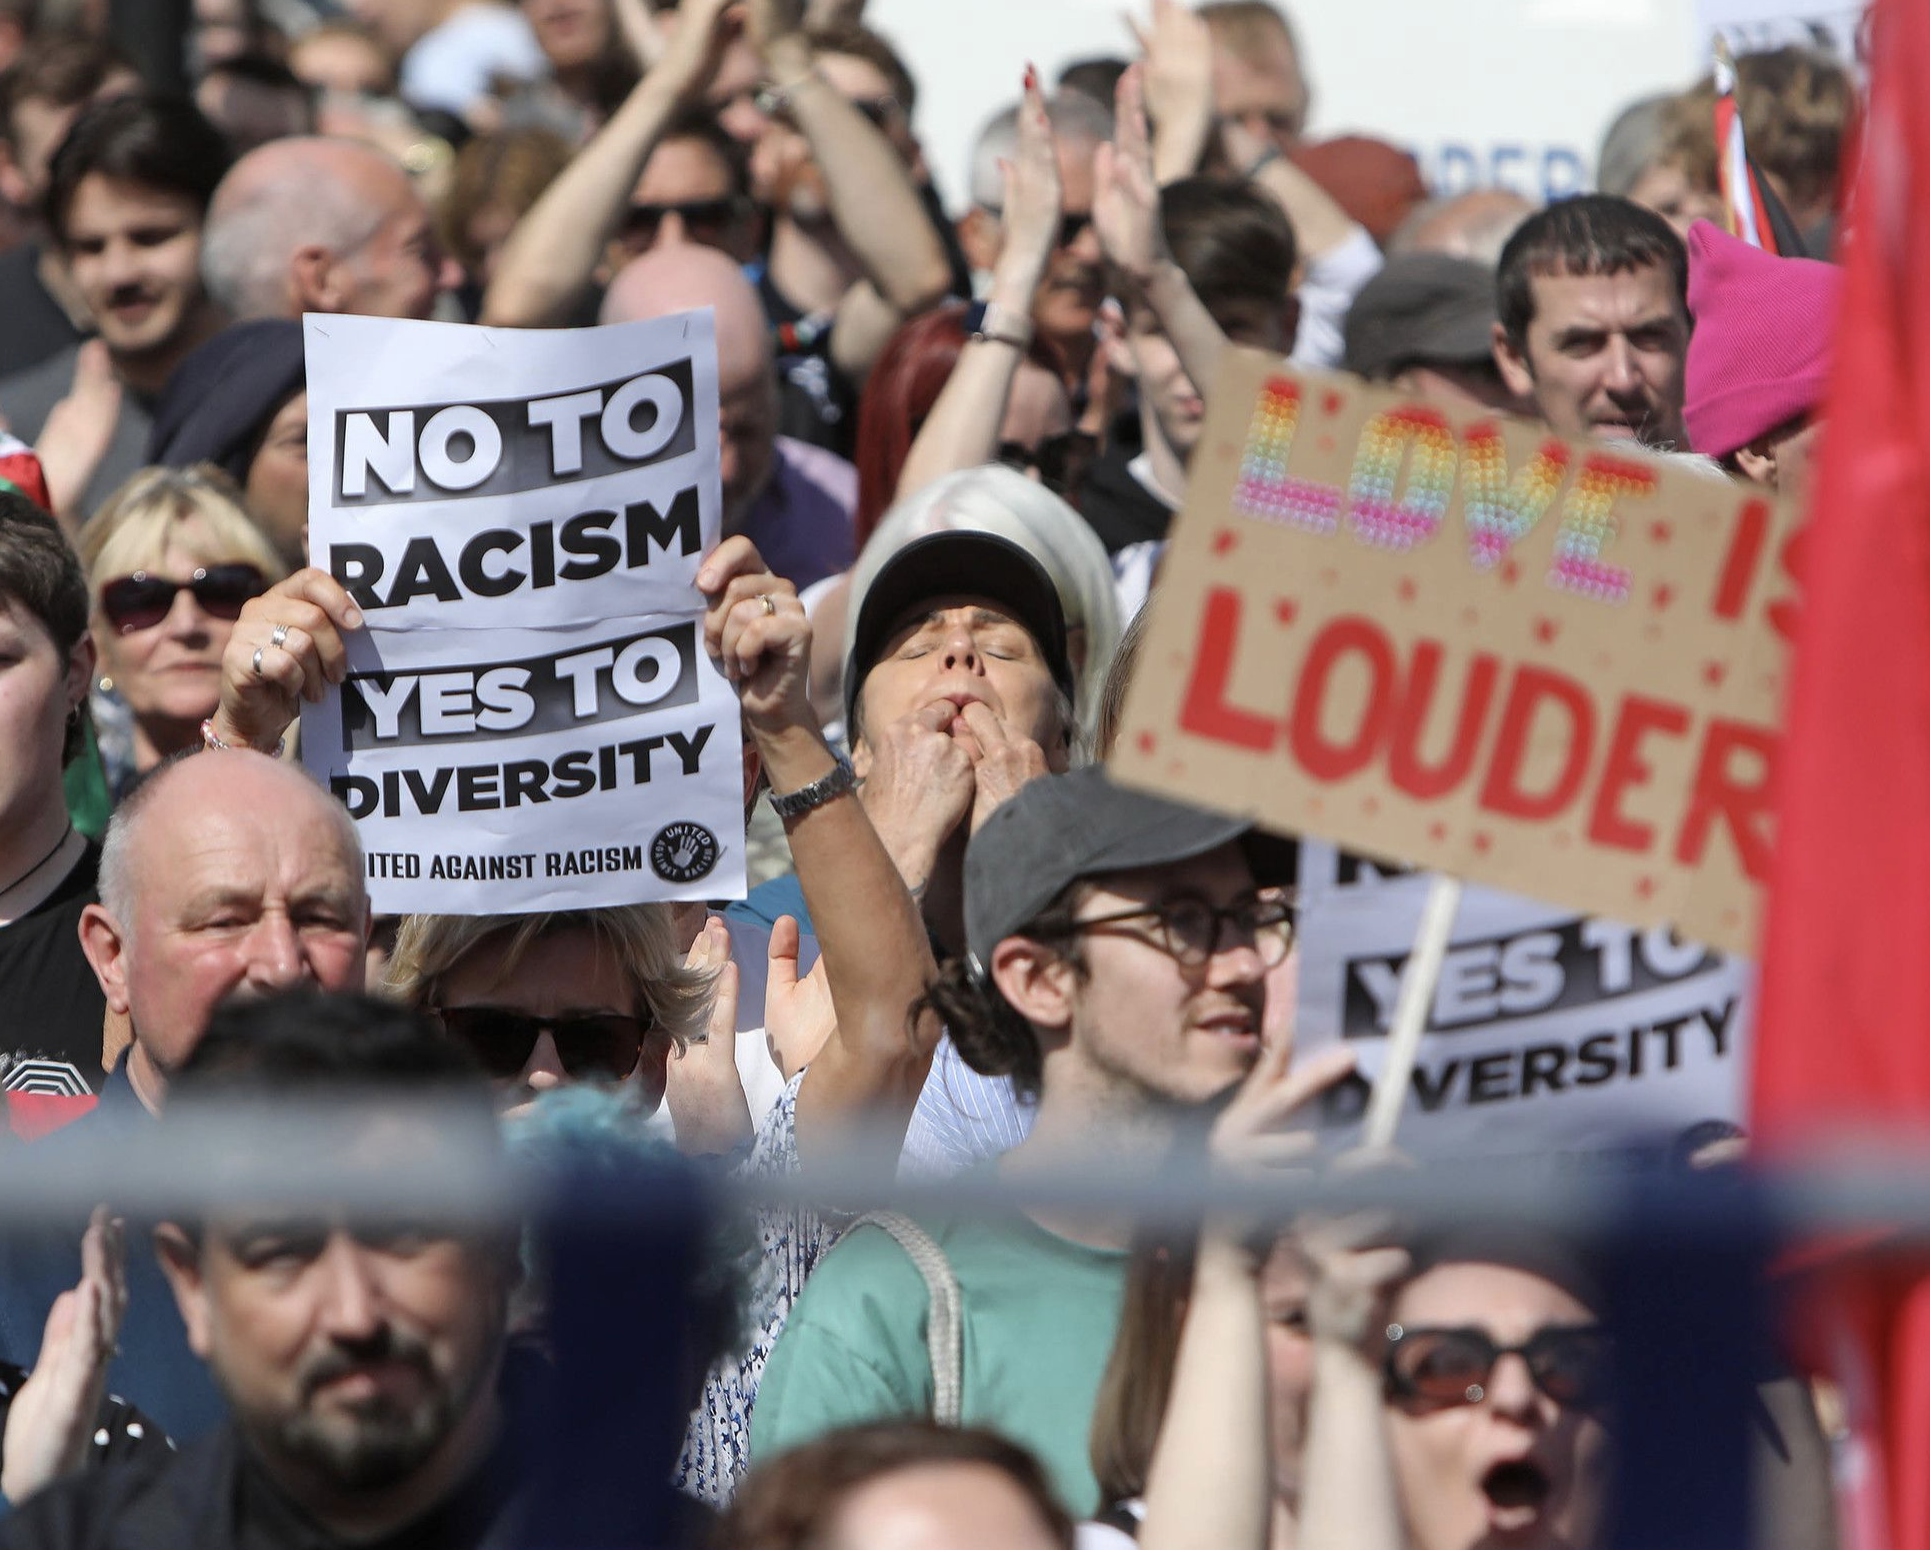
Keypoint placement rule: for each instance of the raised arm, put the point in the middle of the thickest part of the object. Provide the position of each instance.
(1125, 212)
(873, 201)
(876, 956)
(550, 259)
(962, 429)
(1179, 87)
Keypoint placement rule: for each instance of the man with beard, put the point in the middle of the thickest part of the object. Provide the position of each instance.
(364, 1361)
(127, 195)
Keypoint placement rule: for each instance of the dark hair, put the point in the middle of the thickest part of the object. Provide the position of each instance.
(307, 1041)
(1138, 1380)
(990, 1035)
(875, 50)
(1097, 78)
(1591, 234)
(1233, 244)
(40, 572)
(900, 392)
(701, 124)
(63, 69)
(788, 1503)
(160, 141)
(261, 70)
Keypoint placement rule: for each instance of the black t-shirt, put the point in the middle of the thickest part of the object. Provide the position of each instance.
(51, 1006)
(1117, 507)
(38, 327)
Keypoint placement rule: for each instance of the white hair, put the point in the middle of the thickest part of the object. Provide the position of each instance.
(250, 236)
(1004, 502)
(1074, 117)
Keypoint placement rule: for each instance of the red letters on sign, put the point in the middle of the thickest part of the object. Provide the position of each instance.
(1535, 688)
(1205, 710)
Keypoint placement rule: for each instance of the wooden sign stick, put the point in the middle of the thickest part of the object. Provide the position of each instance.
(1418, 979)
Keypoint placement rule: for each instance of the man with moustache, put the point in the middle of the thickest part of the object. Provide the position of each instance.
(365, 1363)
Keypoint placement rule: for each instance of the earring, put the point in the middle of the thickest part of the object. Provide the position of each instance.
(106, 685)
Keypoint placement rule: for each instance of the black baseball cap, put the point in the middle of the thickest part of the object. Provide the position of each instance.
(958, 562)
(1421, 308)
(1060, 828)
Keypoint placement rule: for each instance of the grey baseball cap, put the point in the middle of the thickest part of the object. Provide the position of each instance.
(1060, 828)
(1421, 308)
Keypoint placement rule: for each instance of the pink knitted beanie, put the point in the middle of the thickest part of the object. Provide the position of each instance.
(1760, 351)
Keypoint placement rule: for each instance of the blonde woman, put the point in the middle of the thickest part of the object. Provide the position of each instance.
(545, 1000)
(170, 558)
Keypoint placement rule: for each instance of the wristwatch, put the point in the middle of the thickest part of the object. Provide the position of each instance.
(987, 320)
(835, 782)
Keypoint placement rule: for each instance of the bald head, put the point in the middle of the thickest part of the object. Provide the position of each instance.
(224, 874)
(317, 224)
(1474, 225)
(683, 278)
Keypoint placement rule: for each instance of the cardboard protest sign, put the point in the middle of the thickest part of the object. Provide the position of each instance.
(1451, 638)
(530, 720)
(1547, 1032)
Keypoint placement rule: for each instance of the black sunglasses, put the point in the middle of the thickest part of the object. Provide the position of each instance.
(706, 220)
(600, 1047)
(1061, 460)
(141, 601)
(1568, 1362)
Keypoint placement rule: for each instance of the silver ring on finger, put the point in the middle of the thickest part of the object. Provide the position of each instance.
(769, 606)
(279, 636)
(258, 672)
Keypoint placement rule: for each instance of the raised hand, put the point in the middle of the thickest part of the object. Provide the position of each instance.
(1125, 201)
(798, 1016)
(702, 1088)
(1033, 200)
(756, 630)
(1355, 1270)
(76, 433)
(1179, 86)
(1248, 1136)
(704, 30)
(773, 20)
(52, 1418)
(294, 630)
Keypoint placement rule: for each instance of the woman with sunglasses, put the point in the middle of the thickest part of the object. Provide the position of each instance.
(545, 1000)
(170, 559)
(1439, 1396)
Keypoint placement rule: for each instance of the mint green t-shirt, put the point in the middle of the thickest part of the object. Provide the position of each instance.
(1038, 1312)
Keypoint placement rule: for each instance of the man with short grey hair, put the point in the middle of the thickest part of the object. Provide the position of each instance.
(224, 876)
(314, 224)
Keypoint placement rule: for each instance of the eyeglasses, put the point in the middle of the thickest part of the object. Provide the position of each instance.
(141, 601)
(1190, 928)
(1061, 460)
(602, 1047)
(705, 221)
(1568, 1362)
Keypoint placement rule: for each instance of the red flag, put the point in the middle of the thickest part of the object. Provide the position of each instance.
(1843, 1042)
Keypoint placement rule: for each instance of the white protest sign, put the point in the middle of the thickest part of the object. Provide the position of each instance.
(1548, 1032)
(530, 720)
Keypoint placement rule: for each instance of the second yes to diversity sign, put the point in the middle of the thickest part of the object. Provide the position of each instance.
(1451, 638)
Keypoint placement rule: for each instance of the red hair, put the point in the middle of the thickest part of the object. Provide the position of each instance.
(899, 393)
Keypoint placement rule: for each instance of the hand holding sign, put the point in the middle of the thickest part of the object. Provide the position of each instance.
(294, 631)
(757, 629)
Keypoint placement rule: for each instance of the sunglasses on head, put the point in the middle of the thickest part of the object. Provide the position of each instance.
(598, 1047)
(141, 601)
(1568, 1362)
(705, 220)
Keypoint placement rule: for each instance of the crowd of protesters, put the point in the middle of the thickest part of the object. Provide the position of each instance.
(953, 437)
